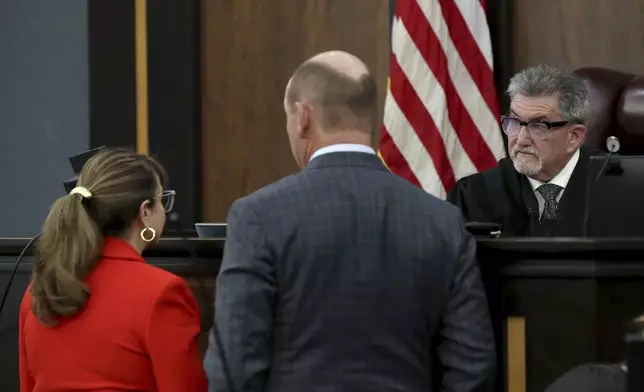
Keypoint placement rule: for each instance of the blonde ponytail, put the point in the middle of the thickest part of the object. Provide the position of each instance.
(68, 249)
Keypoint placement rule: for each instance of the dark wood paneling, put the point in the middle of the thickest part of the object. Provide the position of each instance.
(250, 49)
(174, 102)
(572, 321)
(174, 91)
(578, 33)
(554, 343)
(576, 296)
(112, 94)
(499, 18)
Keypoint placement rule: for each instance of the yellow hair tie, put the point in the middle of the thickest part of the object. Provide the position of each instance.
(79, 190)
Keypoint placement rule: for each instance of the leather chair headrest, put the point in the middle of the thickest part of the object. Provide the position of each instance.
(630, 118)
(605, 87)
(630, 113)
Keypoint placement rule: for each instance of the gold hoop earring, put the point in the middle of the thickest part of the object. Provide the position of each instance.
(154, 234)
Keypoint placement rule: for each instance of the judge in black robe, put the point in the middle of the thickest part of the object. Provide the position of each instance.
(545, 128)
(504, 196)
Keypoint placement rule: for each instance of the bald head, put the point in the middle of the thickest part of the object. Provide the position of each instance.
(339, 87)
(343, 63)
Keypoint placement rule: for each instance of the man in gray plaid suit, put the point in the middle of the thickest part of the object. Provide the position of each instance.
(345, 277)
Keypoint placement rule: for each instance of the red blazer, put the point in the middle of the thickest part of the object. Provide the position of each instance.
(137, 333)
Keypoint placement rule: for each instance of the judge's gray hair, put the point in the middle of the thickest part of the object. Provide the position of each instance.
(546, 81)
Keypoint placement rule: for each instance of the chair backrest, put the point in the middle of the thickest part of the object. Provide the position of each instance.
(616, 102)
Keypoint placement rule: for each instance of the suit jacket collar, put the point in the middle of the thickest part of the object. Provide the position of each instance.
(344, 159)
(116, 248)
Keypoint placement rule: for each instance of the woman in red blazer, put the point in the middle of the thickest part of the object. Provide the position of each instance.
(96, 316)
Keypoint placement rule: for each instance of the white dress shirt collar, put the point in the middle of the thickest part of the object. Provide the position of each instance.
(345, 147)
(562, 177)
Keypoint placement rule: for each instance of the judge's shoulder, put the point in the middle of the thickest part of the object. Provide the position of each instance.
(491, 179)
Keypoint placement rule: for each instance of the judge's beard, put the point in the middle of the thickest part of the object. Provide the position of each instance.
(526, 160)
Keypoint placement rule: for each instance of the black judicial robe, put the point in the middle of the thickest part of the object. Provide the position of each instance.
(504, 196)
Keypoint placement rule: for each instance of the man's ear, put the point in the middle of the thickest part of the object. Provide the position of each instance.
(304, 112)
(577, 136)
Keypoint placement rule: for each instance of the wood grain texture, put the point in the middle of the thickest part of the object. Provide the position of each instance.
(174, 96)
(141, 60)
(516, 346)
(250, 49)
(579, 33)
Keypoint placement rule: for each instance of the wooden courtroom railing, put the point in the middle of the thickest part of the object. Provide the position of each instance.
(556, 303)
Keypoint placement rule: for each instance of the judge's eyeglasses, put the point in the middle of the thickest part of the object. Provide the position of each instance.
(538, 129)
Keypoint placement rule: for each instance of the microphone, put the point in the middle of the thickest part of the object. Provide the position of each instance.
(612, 164)
(612, 144)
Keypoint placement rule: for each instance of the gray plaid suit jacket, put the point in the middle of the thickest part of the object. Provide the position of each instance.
(345, 277)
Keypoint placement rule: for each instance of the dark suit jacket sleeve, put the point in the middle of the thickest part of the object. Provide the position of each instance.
(244, 303)
(171, 339)
(466, 348)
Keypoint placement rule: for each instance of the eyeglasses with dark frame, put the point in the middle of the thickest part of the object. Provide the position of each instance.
(537, 128)
(167, 199)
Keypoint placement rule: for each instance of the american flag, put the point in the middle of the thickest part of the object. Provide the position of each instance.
(441, 116)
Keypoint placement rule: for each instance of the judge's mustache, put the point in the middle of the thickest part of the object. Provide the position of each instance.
(526, 150)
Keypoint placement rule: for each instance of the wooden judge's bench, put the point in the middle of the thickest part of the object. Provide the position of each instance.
(556, 303)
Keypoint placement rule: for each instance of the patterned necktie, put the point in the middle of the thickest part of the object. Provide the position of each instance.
(549, 193)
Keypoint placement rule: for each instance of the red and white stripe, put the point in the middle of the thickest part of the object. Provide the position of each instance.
(441, 118)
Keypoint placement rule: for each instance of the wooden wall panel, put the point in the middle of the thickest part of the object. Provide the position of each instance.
(578, 33)
(174, 94)
(112, 76)
(249, 50)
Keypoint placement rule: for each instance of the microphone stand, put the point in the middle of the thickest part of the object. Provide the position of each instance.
(613, 163)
